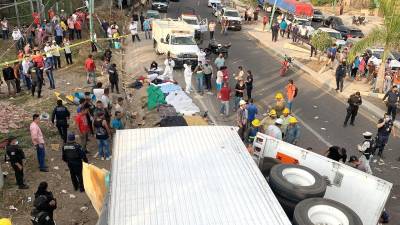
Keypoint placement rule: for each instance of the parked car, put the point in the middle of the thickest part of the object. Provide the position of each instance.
(318, 16)
(333, 22)
(233, 17)
(350, 32)
(160, 5)
(334, 34)
(153, 14)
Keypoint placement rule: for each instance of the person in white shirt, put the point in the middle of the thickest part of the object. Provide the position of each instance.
(67, 51)
(17, 37)
(274, 130)
(211, 29)
(48, 50)
(219, 80)
(169, 69)
(201, 56)
(187, 73)
(133, 27)
(106, 99)
(26, 64)
(4, 28)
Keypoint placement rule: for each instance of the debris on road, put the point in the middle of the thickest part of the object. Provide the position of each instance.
(72, 196)
(84, 208)
(316, 117)
(315, 107)
(12, 207)
(323, 128)
(15, 115)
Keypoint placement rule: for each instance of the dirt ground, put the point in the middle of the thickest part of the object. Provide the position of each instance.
(74, 208)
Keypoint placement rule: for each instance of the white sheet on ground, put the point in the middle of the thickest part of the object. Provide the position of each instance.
(182, 103)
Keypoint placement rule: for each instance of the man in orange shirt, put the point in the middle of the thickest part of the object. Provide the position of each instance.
(291, 92)
(90, 68)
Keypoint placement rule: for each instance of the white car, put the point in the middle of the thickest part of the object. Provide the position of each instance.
(301, 22)
(212, 2)
(335, 35)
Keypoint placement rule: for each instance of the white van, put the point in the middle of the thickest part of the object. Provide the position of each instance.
(212, 2)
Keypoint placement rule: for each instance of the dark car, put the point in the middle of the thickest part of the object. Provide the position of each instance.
(349, 32)
(333, 22)
(318, 16)
(160, 5)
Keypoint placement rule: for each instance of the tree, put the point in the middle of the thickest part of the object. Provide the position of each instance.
(321, 41)
(387, 36)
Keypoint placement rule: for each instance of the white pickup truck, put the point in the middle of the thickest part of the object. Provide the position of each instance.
(177, 39)
(363, 193)
(193, 21)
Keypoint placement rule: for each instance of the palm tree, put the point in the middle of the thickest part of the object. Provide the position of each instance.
(387, 36)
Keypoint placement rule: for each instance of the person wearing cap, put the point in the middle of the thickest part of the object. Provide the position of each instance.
(354, 102)
(208, 72)
(274, 130)
(285, 118)
(241, 118)
(16, 155)
(359, 164)
(253, 130)
(61, 115)
(268, 120)
(385, 128)
(279, 105)
(74, 155)
(367, 149)
(292, 131)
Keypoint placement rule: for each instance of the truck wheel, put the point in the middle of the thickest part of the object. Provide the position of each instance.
(324, 211)
(296, 182)
(266, 164)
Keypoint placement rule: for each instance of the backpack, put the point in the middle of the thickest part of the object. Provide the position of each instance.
(296, 91)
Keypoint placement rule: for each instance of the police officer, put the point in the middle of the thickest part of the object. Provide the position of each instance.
(73, 155)
(16, 156)
(385, 126)
(61, 115)
(367, 149)
(354, 102)
(39, 215)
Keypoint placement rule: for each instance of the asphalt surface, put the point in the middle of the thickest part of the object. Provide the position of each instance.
(320, 113)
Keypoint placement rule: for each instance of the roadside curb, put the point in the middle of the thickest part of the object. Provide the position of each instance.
(368, 106)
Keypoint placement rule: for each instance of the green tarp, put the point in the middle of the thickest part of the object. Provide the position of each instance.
(155, 97)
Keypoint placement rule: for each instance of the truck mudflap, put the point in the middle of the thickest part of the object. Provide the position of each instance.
(365, 194)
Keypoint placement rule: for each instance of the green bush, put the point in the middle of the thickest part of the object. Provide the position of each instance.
(321, 2)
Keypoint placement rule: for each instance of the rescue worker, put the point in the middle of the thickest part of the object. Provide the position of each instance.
(384, 126)
(274, 130)
(61, 115)
(169, 68)
(113, 77)
(292, 132)
(285, 118)
(367, 150)
(279, 105)
(16, 155)
(253, 130)
(73, 155)
(269, 120)
(354, 102)
(187, 73)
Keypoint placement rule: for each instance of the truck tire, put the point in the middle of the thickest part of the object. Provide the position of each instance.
(287, 205)
(324, 211)
(266, 164)
(296, 183)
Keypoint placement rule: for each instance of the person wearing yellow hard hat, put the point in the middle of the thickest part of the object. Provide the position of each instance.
(279, 104)
(253, 130)
(5, 221)
(268, 120)
(285, 117)
(292, 132)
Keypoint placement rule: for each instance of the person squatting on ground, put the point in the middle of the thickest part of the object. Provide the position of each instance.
(73, 155)
(44, 206)
(16, 155)
(61, 115)
(354, 101)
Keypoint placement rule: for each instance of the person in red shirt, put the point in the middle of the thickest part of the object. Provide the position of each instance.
(50, 13)
(90, 68)
(83, 126)
(225, 73)
(224, 96)
(36, 18)
(78, 29)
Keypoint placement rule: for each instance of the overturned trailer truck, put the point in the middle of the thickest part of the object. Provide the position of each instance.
(204, 175)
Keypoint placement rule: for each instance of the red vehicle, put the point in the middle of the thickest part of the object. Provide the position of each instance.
(285, 65)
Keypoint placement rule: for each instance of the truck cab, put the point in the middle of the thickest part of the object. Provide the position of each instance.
(177, 39)
(195, 22)
(233, 17)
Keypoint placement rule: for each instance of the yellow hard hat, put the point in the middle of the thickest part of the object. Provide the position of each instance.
(286, 110)
(256, 122)
(292, 120)
(272, 112)
(279, 95)
(5, 221)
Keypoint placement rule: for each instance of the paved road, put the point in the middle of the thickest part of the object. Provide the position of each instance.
(321, 114)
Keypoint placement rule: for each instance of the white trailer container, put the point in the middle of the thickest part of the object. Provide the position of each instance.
(363, 193)
(188, 176)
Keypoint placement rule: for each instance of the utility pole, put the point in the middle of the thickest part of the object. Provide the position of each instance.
(91, 11)
(16, 12)
(272, 15)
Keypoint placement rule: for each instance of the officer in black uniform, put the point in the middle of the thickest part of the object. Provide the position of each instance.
(16, 156)
(39, 215)
(354, 102)
(73, 155)
(385, 126)
(61, 115)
